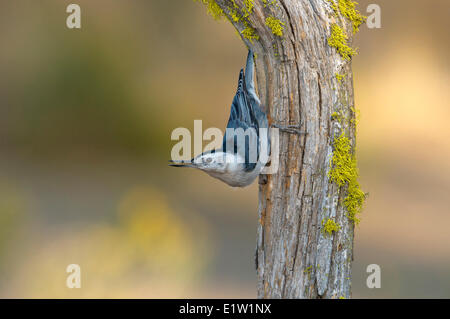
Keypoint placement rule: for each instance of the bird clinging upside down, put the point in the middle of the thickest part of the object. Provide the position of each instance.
(246, 143)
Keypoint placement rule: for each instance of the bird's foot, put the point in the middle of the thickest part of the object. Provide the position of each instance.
(292, 129)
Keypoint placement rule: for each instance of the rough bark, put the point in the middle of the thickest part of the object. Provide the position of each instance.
(296, 75)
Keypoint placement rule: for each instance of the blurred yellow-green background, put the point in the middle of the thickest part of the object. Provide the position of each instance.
(85, 123)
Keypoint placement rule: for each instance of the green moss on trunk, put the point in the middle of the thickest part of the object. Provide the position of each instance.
(275, 25)
(344, 171)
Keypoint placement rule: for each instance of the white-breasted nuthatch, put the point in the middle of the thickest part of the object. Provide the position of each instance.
(246, 143)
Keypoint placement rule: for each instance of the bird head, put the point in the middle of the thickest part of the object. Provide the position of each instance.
(210, 162)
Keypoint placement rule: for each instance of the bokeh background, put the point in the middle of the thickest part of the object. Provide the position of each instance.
(85, 123)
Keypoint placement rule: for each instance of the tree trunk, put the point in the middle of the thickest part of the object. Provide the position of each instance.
(299, 84)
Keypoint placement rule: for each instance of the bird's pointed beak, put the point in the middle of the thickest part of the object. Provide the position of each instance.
(181, 164)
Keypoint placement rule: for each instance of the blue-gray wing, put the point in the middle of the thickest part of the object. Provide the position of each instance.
(241, 136)
(246, 118)
(240, 107)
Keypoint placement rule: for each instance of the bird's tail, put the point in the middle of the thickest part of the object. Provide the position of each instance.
(249, 74)
(241, 82)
